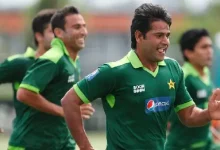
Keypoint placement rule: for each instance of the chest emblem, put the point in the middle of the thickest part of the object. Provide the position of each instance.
(171, 84)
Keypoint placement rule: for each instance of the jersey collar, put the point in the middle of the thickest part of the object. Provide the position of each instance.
(30, 52)
(58, 42)
(190, 70)
(135, 61)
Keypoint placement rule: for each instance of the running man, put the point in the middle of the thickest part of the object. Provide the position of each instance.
(13, 69)
(139, 91)
(196, 47)
(38, 130)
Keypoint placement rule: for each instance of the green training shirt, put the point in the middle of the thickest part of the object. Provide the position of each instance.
(136, 101)
(200, 90)
(12, 70)
(52, 75)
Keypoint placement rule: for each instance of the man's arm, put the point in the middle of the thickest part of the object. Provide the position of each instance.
(38, 102)
(194, 117)
(12, 69)
(71, 105)
(96, 85)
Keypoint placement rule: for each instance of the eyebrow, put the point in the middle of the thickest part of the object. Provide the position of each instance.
(211, 44)
(161, 32)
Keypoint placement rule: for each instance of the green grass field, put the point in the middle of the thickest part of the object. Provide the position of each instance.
(97, 139)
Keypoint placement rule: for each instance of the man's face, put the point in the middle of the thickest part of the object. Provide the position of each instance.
(75, 32)
(47, 36)
(202, 53)
(156, 42)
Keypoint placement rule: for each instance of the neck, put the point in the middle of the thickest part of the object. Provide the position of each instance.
(73, 53)
(200, 69)
(152, 66)
(40, 51)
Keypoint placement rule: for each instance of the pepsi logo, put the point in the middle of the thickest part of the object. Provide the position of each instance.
(150, 105)
(157, 104)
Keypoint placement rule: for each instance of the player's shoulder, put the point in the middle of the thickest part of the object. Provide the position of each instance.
(17, 61)
(170, 61)
(19, 58)
(118, 63)
(114, 68)
(29, 53)
(54, 54)
(173, 65)
(15, 57)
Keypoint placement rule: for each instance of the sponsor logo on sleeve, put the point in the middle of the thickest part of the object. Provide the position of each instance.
(92, 75)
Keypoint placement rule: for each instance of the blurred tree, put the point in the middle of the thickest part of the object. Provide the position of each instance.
(32, 11)
(208, 20)
(42, 4)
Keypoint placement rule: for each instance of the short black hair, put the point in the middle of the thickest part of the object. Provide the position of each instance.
(190, 38)
(58, 20)
(143, 17)
(41, 20)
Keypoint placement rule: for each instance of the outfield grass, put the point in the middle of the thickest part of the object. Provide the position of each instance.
(3, 141)
(97, 139)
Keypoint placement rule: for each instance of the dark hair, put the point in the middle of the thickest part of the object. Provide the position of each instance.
(190, 38)
(143, 17)
(58, 20)
(41, 20)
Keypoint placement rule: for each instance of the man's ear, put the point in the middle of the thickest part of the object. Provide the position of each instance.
(39, 37)
(58, 33)
(138, 36)
(188, 53)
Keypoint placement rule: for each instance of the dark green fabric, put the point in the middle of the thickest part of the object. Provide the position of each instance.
(52, 75)
(128, 90)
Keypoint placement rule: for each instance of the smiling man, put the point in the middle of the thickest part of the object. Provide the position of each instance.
(139, 91)
(48, 79)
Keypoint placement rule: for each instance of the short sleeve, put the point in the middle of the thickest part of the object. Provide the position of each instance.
(183, 98)
(11, 70)
(39, 75)
(98, 84)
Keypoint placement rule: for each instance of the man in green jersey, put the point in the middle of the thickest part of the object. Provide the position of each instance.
(139, 91)
(196, 47)
(13, 69)
(48, 79)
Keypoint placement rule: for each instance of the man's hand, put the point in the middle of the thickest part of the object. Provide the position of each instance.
(214, 105)
(87, 110)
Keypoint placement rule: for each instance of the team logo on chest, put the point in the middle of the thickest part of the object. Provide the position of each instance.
(71, 78)
(139, 88)
(171, 84)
